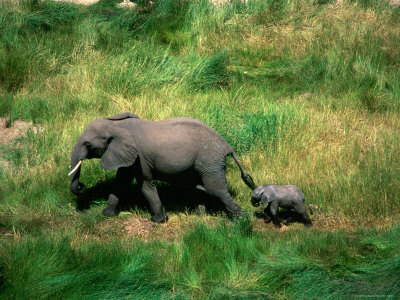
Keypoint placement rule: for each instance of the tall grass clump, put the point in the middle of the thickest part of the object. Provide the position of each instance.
(25, 51)
(55, 268)
(211, 72)
(354, 62)
(247, 131)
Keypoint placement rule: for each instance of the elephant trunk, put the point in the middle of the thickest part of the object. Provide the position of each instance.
(256, 197)
(255, 202)
(78, 154)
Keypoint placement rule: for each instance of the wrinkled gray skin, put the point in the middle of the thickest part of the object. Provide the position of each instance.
(286, 196)
(181, 151)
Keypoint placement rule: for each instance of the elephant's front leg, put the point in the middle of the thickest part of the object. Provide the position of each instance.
(111, 209)
(123, 179)
(267, 214)
(149, 190)
(274, 208)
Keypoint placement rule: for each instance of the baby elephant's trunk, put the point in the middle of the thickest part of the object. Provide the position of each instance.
(311, 211)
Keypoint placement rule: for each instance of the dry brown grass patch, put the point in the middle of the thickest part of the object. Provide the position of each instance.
(331, 223)
(177, 225)
(346, 22)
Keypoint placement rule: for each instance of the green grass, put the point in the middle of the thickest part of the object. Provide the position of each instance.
(306, 92)
(229, 262)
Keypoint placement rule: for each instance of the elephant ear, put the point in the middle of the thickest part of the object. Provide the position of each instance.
(121, 151)
(123, 116)
(265, 198)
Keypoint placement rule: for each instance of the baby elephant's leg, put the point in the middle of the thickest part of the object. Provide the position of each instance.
(301, 210)
(274, 208)
(288, 221)
(267, 214)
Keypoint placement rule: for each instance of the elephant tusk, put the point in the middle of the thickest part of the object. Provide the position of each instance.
(76, 167)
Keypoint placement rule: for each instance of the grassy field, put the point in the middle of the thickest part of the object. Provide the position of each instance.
(307, 92)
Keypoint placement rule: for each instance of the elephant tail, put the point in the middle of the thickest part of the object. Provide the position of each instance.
(311, 211)
(248, 180)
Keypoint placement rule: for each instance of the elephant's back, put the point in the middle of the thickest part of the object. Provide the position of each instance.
(286, 191)
(205, 137)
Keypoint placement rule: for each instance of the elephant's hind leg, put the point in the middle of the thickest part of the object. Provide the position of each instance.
(215, 184)
(301, 210)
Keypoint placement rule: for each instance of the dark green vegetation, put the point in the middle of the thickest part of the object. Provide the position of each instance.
(307, 93)
(223, 262)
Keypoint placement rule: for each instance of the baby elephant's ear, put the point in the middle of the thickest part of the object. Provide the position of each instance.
(121, 151)
(265, 198)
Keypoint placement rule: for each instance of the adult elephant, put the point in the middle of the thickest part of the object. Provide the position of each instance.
(180, 151)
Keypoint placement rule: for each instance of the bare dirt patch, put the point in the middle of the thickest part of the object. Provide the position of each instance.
(5, 232)
(9, 132)
(140, 227)
(15, 130)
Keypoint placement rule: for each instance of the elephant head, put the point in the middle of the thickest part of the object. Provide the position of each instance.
(103, 139)
(258, 196)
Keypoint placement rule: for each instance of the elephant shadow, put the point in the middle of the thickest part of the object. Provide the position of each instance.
(283, 214)
(174, 199)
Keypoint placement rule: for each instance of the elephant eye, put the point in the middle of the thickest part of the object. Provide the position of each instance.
(87, 144)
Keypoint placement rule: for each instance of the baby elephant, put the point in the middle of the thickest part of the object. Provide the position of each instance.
(286, 196)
